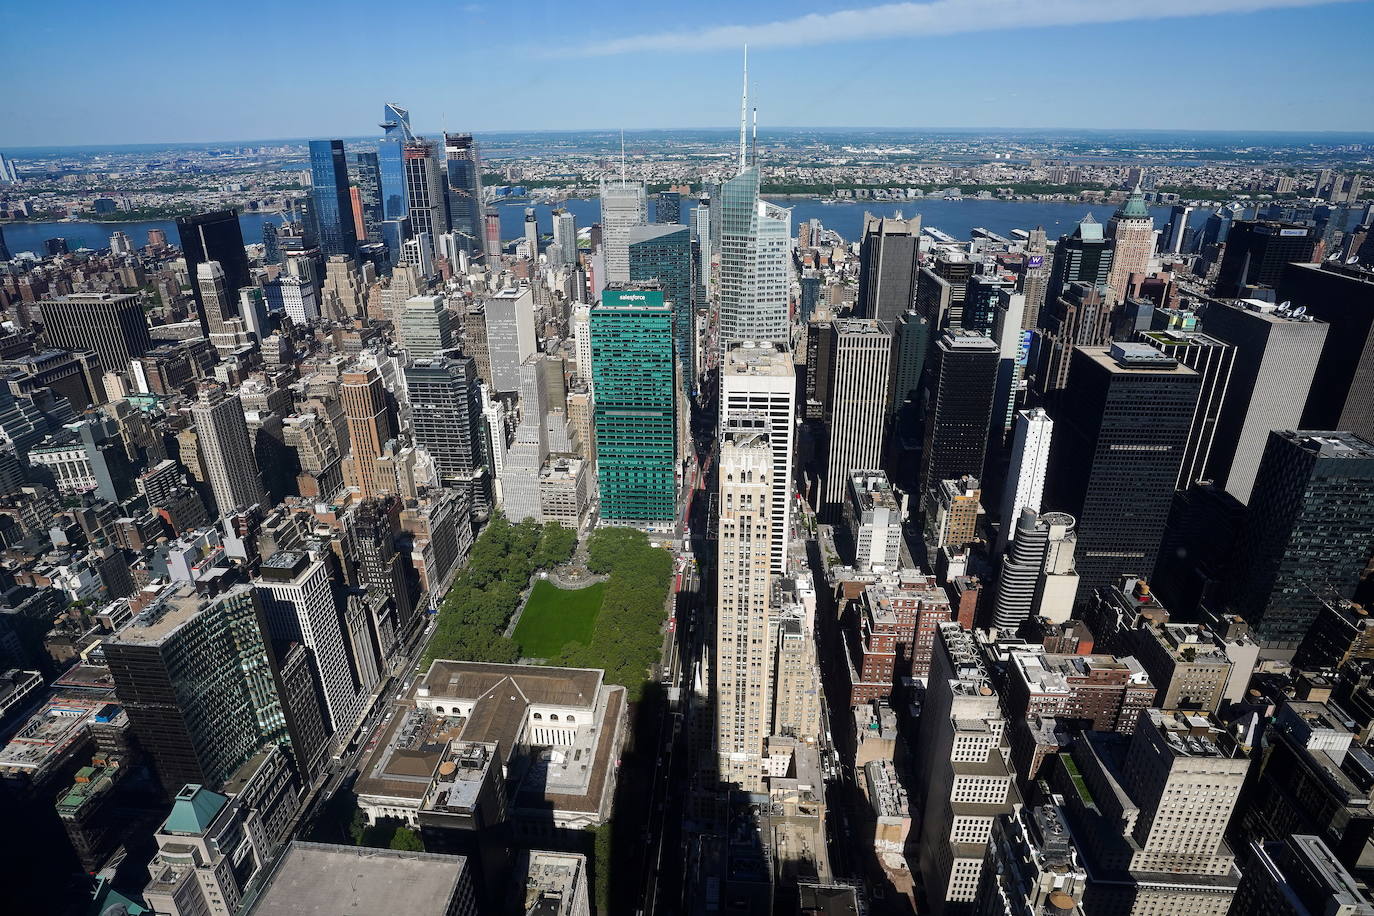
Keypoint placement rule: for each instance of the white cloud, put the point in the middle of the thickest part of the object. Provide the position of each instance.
(937, 17)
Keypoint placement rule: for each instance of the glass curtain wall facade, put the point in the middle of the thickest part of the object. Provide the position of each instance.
(664, 254)
(391, 163)
(463, 180)
(632, 374)
(333, 207)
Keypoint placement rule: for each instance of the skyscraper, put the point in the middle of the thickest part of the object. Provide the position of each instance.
(1309, 533)
(197, 680)
(1342, 395)
(215, 236)
(446, 415)
(4, 251)
(395, 125)
(367, 182)
(754, 263)
(758, 380)
(113, 325)
(888, 267)
(1120, 433)
(1212, 359)
(743, 656)
(1177, 232)
(226, 449)
(426, 206)
(532, 233)
(1257, 253)
(1297, 876)
(668, 207)
(623, 207)
(1271, 375)
(963, 377)
(299, 606)
(425, 328)
(510, 335)
(962, 770)
(663, 254)
(635, 401)
(565, 235)
(910, 347)
(1030, 458)
(463, 174)
(329, 190)
(857, 403)
(370, 428)
(1038, 577)
(1132, 232)
(1084, 255)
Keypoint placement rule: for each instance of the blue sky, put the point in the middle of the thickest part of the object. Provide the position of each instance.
(87, 72)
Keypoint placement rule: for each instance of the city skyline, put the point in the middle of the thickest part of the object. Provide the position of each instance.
(1025, 69)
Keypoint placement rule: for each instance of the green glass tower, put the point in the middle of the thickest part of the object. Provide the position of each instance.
(632, 375)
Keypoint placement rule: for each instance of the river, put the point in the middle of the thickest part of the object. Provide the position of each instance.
(955, 217)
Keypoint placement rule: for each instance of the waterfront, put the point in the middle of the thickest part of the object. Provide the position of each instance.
(955, 217)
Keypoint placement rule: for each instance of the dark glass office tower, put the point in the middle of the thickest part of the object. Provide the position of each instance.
(1309, 532)
(463, 185)
(1257, 253)
(1342, 395)
(391, 162)
(963, 380)
(4, 252)
(888, 267)
(446, 407)
(981, 303)
(367, 178)
(1082, 256)
(214, 236)
(1120, 432)
(333, 207)
(668, 207)
(663, 254)
(271, 249)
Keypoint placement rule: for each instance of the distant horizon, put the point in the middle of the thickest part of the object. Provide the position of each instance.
(18, 151)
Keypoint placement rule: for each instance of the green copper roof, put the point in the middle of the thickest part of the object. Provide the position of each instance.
(1134, 206)
(194, 809)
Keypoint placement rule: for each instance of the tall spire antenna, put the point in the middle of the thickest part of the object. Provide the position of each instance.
(744, 112)
(622, 155)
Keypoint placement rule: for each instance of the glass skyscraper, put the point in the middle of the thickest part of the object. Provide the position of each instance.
(754, 237)
(463, 180)
(391, 162)
(329, 189)
(367, 179)
(663, 253)
(632, 374)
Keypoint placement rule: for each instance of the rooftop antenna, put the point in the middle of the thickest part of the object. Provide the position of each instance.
(622, 155)
(744, 112)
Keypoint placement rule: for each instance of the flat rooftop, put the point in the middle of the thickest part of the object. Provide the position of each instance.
(458, 680)
(319, 879)
(169, 612)
(761, 358)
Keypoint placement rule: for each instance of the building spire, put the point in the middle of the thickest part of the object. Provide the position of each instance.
(744, 113)
(622, 155)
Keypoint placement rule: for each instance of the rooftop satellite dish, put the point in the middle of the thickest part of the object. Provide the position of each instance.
(1300, 311)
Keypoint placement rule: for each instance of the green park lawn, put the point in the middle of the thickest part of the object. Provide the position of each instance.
(555, 617)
